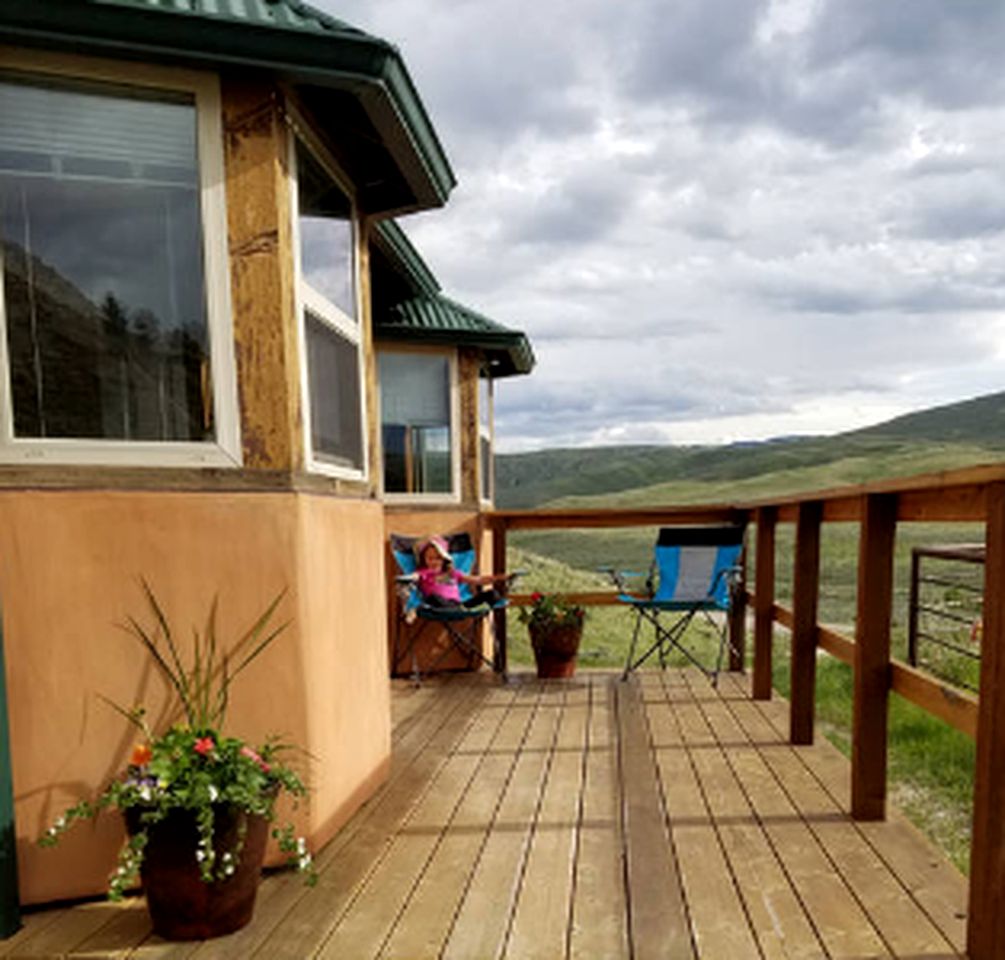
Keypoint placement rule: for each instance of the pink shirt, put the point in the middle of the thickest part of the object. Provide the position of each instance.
(442, 584)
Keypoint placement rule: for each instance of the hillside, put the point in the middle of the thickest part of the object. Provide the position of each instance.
(955, 435)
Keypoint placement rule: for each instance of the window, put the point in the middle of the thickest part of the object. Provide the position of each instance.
(416, 418)
(487, 465)
(116, 334)
(327, 286)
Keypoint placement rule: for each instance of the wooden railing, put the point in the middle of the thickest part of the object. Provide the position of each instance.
(972, 495)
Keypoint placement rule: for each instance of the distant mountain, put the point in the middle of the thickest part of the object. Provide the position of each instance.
(951, 435)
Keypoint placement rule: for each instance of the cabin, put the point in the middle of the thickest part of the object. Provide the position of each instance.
(226, 371)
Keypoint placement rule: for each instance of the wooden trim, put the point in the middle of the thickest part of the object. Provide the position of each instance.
(805, 590)
(569, 519)
(764, 601)
(737, 625)
(499, 566)
(950, 704)
(986, 918)
(872, 657)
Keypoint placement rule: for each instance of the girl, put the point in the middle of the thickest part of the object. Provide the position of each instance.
(438, 579)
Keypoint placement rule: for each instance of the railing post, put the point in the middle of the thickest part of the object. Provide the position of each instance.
(877, 527)
(501, 664)
(738, 619)
(912, 609)
(764, 601)
(985, 917)
(805, 590)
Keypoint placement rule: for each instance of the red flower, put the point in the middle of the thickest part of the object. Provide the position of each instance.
(536, 597)
(141, 755)
(204, 746)
(254, 757)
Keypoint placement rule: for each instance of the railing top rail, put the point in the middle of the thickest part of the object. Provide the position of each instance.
(945, 495)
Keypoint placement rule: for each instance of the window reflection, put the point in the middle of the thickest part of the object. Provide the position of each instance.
(326, 240)
(415, 415)
(103, 281)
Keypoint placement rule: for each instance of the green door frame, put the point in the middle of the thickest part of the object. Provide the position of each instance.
(10, 910)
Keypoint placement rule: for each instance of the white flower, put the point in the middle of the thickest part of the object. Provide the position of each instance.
(301, 845)
(213, 793)
(60, 823)
(200, 855)
(145, 792)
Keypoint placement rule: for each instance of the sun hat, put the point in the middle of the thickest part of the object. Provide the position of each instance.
(439, 544)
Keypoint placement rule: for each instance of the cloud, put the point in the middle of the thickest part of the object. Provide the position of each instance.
(715, 217)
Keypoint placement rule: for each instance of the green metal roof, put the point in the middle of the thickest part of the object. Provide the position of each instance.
(356, 85)
(399, 251)
(409, 307)
(438, 319)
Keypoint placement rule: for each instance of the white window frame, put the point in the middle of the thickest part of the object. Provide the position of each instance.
(486, 431)
(225, 449)
(453, 375)
(322, 308)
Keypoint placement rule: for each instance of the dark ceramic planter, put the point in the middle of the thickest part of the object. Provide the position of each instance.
(184, 907)
(555, 649)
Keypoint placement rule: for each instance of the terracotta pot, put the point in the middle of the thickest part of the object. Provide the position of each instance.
(182, 905)
(555, 648)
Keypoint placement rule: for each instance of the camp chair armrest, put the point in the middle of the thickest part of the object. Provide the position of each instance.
(620, 577)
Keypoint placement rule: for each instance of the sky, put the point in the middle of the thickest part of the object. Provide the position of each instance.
(717, 220)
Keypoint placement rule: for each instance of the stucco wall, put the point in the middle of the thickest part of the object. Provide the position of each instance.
(69, 563)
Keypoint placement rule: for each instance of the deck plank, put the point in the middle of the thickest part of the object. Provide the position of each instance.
(659, 925)
(774, 909)
(425, 922)
(540, 926)
(591, 818)
(938, 887)
(483, 920)
(599, 927)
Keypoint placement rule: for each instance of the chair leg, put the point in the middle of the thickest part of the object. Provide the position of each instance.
(631, 646)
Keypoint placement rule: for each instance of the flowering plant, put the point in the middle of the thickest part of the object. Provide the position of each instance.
(192, 765)
(551, 610)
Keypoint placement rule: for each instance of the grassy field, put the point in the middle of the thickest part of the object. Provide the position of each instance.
(930, 764)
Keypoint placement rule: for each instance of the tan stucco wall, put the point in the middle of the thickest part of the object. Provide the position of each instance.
(418, 521)
(69, 563)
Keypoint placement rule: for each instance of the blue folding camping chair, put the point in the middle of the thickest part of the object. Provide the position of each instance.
(462, 625)
(695, 570)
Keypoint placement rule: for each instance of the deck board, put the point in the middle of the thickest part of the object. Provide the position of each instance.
(587, 818)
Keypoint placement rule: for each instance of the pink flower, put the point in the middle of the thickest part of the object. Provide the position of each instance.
(255, 758)
(204, 746)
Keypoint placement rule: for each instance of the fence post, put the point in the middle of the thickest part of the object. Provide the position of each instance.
(764, 601)
(877, 526)
(805, 590)
(738, 619)
(501, 664)
(10, 915)
(985, 917)
(912, 609)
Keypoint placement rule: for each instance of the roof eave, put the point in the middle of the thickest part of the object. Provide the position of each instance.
(369, 67)
(509, 353)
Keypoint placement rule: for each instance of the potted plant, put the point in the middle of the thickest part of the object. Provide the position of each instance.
(556, 627)
(197, 803)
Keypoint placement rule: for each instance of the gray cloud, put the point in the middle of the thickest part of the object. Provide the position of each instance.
(715, 219)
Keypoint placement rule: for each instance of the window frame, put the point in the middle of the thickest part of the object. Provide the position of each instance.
(453, 375)
(307, 298)
(225, 449)
(486, 431)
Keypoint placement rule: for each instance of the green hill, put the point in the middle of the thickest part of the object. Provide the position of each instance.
(959, 434)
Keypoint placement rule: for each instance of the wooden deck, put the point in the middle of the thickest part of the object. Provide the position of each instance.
(585, 819)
